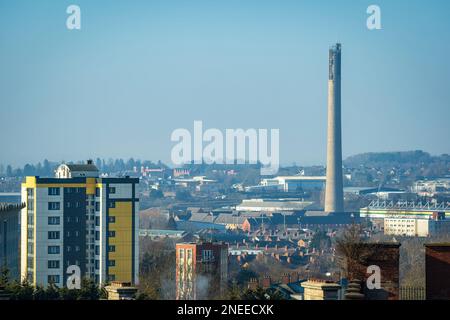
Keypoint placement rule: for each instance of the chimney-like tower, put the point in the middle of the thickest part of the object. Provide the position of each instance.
(334, 197)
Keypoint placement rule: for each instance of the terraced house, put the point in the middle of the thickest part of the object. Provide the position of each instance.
(79, 219)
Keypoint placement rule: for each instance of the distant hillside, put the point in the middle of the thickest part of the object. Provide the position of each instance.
(418, 164)
(390, 158)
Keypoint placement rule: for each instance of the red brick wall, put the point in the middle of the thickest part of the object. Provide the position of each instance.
(385, 256)
(437, 271)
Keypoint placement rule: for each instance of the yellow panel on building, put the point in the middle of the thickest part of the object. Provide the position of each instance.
(123, 241)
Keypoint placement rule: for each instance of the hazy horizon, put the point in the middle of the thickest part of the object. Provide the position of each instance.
(286, 164)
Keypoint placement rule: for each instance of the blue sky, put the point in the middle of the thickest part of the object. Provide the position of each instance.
(137, 70)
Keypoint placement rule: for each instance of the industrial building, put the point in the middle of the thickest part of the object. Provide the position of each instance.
(79, 219)
(383, 209)
(293, 183)
(417, 227)
(273, 205)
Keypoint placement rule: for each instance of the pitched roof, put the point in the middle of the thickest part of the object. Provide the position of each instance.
(202, 217)
(229, 219)
(82, 167)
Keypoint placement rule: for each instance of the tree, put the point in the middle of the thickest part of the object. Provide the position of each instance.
(39, 293)
(21, 291)
(233, 292)
(320, 240)
(52, 292)
(171, 224)
(47, 168)
(69, 294)
(157, 270)
(4, 277)
(9, 171)
(183, 195)
(156, 194)
(29, 170)
(261, 294)
(89, 290)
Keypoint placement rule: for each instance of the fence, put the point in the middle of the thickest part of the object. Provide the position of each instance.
(412, 293)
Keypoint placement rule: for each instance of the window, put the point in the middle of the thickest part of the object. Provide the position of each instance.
(112, 219)
(97, 206)
(53, 206)
(112, 204)
(112, 263)
(111, 248)
(53, 235)
(112, 277)
(53, 191)
(69, 190)
(30, 262)
(53, 264)
(53, 278)
(54, 249)
(97, 221)
(97, 264)
(207, 255)
(112, 190)
(97, 235)
(53, 221)
(97, 250)
(97, 192)
(111, 234)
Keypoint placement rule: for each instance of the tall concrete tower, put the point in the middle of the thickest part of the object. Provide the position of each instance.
(334, 197)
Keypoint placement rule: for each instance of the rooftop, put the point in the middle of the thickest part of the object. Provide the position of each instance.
(82, 167)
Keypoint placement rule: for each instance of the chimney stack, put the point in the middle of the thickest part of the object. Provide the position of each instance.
(266, 282)
(334, 195)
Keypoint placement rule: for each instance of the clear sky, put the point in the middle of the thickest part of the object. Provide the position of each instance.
(137, 70)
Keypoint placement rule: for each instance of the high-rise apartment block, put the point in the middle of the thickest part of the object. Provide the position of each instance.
(79, 219)
(201, 270)
(9, 238)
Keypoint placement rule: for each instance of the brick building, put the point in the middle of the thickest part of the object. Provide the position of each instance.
(201, 270)
(437, 271)
(384, 255)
